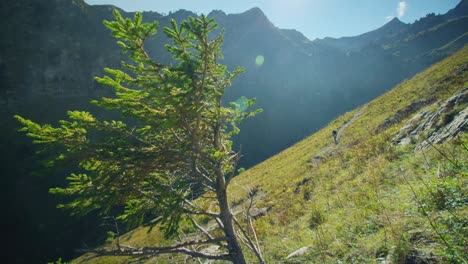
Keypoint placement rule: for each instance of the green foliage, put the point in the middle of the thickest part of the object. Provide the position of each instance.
(174, 140)
(444, 194)
(110, 237)
(443, 199)
(317, 217)
(59, 261)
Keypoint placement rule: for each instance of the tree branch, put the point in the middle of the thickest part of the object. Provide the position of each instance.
(199, 208)
(153, 251)
(188, 211)
(200, 228)
(252, 245)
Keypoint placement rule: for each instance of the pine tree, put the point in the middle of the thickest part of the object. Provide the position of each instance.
(172, 145)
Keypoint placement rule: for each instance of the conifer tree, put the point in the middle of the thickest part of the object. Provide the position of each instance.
(172, 145)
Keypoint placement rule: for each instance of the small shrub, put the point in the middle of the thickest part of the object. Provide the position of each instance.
(317, 217)
(444, 194)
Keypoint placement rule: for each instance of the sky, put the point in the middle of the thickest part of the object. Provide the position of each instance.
(313, 18)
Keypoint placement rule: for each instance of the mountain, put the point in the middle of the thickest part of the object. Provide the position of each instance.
(357, 43)
(51, 50)
(298, 85)
(460, 10)
(317, 80)
(393, 190)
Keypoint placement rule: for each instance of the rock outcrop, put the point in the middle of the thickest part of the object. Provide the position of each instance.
(437, 123)
(300, 252)
(402, 114)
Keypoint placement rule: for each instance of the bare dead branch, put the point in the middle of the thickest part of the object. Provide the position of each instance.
(188, 211)
(255, 236)
(117, 232)
(244, 241)
(200, 228)
(219, 223)
(204, 175)
(252, 245)
(250, 224)
(154, 251)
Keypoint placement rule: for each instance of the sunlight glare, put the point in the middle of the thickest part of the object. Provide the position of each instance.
(259, 60)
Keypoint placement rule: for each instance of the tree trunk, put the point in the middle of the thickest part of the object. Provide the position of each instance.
(235, 251)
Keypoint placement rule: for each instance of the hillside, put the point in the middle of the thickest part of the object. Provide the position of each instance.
(373, 197)
(51, 50)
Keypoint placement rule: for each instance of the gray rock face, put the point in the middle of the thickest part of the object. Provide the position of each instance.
(402, 114)
(437, 123)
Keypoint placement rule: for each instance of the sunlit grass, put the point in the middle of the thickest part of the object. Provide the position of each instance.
(361, 201)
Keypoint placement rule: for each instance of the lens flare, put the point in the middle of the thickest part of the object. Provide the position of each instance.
(259, 60)
(241, 104)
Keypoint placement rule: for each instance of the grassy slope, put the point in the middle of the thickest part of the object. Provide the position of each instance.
(361, 201)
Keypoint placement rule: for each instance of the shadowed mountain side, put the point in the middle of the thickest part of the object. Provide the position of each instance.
(301, 85)
(51, 50)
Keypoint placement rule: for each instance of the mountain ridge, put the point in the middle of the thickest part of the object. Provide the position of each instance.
(301, 86)
(355, 43)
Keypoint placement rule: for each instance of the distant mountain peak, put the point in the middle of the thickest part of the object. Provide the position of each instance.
(253, 15)
(395, 22)
(183, 13)
(255, 11)
(216, 12)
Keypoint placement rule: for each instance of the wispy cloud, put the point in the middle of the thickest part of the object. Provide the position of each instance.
(388, 18)
(401, 9)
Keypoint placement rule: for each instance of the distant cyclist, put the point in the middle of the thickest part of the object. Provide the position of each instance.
(335, 135)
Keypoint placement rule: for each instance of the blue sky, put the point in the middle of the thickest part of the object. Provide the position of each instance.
(314, 18)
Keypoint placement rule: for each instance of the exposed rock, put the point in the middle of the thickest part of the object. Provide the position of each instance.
(402, 114)
(437, 123)
(300, 252)
(212, 250)
(417, 257)
(258, 212)
(383, 260)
